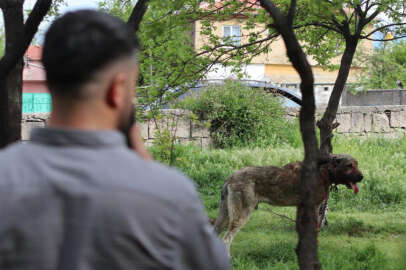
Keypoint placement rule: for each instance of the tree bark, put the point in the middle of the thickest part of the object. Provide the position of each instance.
(326, 123)
(306, 212)
(18, 38)
(11, 79)
(137, 14)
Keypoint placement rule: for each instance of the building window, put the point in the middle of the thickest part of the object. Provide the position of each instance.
(232, 34)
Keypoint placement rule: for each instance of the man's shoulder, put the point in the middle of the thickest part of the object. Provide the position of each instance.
(155, 178)
(11, 152)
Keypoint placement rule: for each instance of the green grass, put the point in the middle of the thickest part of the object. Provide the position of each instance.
(366, 231)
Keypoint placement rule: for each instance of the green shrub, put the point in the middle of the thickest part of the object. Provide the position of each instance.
(166, 150)
(241, 116)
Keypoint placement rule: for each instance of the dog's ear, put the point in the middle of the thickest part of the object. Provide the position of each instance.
(336, 159)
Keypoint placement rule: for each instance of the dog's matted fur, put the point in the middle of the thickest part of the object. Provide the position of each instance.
(247, 187)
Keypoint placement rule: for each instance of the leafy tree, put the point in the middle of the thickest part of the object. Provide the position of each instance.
(169, 63)
(385, 67)
(341, 25)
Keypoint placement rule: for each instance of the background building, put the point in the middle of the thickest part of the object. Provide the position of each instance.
(273, 66)
(36, 98)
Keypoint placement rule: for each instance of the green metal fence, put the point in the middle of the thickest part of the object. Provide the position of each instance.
(36, 103)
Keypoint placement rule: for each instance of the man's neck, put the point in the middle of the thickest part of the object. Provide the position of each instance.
(79, 119)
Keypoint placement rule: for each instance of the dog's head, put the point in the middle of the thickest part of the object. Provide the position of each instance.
(343, 169)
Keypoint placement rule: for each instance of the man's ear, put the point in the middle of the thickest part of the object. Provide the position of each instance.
(115, 92)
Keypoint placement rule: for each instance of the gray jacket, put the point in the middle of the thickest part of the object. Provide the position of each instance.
(80, 200)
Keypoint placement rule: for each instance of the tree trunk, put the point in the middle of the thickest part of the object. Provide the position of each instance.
(306, 212)
(10, 106)
(137, 14)
(306, 221)
(326, 123)
(11, 81)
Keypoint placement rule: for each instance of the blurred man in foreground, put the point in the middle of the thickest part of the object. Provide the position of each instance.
(76, 197)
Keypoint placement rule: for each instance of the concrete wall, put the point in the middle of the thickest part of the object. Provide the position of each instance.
(374, 98)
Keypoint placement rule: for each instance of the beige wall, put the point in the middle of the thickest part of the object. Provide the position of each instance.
(277, 65)
(287, 74)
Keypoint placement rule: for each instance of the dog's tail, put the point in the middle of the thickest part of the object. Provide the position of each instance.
(222, 218)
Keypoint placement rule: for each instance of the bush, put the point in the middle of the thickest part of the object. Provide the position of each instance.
(240, 115)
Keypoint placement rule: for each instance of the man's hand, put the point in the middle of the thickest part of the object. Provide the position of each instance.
(138, 143)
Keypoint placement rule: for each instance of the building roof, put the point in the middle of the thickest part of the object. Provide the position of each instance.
(34, 52)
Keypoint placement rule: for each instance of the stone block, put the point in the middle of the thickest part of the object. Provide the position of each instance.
(158, 125)
(367, 122)
(345, 123)
(206, 143)
(149, 143)
(380, 123)
(399, 132)
(144, 129)
(180, 127)
(357, 122)
(26, 128)
(398, 119)
(200, 129)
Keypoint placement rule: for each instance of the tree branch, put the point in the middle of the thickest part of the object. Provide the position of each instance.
(371, 17)
(323, 25)
(136, 15)
(292, 12)
(381, 28)
(383, 40)
(36, 16)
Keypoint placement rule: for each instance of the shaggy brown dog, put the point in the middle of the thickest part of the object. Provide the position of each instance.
(247, 187)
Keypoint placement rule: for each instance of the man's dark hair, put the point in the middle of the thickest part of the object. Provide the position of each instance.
(81, 43)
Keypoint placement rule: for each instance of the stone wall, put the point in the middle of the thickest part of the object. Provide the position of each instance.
(178, 122)
(389, 121)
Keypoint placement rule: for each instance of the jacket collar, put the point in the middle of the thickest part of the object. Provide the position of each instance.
(76, 137)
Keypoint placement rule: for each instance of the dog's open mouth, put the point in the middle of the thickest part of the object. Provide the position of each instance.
(354, 187)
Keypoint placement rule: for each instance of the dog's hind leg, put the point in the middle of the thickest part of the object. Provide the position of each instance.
(223, 217)
(241, 202)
